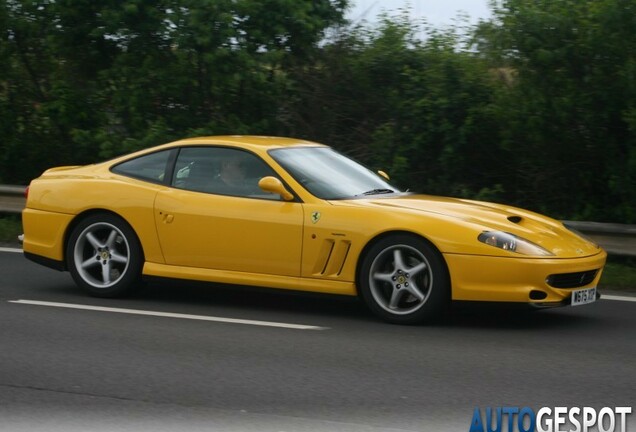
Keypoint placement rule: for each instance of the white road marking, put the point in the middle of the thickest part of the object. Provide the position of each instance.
(170, 315)
(4, 249)
(617, 298)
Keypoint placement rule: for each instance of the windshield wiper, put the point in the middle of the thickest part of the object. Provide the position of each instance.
(377, 192)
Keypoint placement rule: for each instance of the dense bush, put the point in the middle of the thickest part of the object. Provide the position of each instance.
(535, 107)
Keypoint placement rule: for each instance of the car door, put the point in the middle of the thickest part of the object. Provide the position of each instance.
(202, 222)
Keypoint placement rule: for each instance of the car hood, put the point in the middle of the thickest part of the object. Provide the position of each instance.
(484, 216)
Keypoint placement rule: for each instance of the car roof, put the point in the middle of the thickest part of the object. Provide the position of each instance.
(247, 141)
(257, 144)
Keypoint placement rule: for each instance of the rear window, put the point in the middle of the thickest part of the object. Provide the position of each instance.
(150, 167)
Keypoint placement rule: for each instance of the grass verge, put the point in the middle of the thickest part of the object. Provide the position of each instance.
(620, 274)
(10, 228)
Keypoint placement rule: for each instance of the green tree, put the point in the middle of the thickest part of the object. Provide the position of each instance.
(567, 119)
(85, 80)
(535, 107)
(420, 108)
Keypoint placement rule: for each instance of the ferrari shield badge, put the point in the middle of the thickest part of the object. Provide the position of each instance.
(315, 217)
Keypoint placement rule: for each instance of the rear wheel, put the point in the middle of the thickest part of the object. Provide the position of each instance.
(403, 279)
(104, 256)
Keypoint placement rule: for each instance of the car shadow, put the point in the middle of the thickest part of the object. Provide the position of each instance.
(516, 316)
(249, 298)
(59, 287)
(246, 298)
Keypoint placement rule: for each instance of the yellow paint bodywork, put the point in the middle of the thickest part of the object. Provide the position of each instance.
(305, 244)
(484, 278)
(229, 233)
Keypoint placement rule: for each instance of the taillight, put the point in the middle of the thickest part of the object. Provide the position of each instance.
(26, 192)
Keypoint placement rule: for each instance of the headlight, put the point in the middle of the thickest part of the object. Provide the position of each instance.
(512, 243)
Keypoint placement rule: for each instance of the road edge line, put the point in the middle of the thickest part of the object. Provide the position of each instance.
(169, 315)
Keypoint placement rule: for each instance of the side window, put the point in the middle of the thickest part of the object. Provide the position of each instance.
(222, 171)
(150, 167)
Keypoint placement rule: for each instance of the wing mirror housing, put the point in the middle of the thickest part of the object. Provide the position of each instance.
(383, 174)
(274, 185)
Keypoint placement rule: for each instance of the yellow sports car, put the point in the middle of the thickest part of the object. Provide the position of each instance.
(293, 214)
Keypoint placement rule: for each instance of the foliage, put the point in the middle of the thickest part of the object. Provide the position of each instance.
(535, 107)
(567, 120)
(417, 108)
(86, 80)
(10, 229)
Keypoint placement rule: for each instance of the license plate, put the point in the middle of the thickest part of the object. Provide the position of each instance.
(583, 296)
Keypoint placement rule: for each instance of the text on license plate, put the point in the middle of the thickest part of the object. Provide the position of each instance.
(583, 296)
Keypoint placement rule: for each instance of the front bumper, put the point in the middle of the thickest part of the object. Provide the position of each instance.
(524, 280)
(565, 302)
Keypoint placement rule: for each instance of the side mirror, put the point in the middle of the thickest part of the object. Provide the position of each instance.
(273, 185)
(383, 174)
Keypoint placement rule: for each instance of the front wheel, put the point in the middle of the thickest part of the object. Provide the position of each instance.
(104, 256)
(404, 280)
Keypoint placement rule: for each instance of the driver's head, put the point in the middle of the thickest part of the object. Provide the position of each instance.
(232, 170)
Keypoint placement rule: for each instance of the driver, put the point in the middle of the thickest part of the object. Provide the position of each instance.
(233, 178)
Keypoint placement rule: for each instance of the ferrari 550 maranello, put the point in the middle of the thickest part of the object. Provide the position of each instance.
(293, 214)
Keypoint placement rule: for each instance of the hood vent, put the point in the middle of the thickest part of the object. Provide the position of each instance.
(515, 219)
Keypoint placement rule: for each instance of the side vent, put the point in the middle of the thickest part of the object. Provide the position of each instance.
(515, 219)
(332, 257)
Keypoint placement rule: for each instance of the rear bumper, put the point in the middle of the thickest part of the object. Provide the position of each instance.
(44, 233)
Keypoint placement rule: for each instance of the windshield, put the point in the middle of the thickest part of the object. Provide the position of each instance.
(327, 174)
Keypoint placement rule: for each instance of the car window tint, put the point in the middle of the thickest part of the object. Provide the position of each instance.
(151, 167)
(221, 171)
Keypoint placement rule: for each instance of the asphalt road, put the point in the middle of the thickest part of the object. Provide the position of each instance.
(179, 366)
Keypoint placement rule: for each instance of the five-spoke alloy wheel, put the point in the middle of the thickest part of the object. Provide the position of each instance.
(403, 279)
(104, 256)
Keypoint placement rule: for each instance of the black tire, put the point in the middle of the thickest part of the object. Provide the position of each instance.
(104, 256)
(403, 279)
